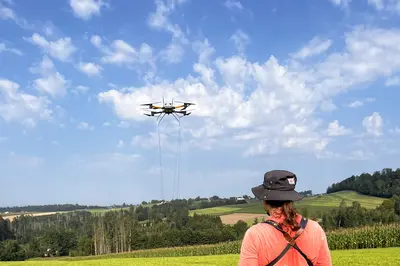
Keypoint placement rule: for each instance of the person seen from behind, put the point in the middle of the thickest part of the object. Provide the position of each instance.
(285, 238)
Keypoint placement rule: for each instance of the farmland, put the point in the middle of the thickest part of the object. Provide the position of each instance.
(314, 204)
(378, 257)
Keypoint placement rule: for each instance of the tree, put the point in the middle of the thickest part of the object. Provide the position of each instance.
(10, 250)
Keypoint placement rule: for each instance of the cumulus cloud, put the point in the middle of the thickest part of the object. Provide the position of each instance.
(20, 107)
(121, 53)
(241, 40)
(51, 81)
(232, 4)
(84, 126)
(90, 69)
(86, 9)
(61, 49)
(334, 129)
(267, 105)
(159, 20)
(373, 124)
(315, 47)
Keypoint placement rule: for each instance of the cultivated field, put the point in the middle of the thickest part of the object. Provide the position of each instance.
(12, 217)
(235, 217)
(375, 257)
(313, 204)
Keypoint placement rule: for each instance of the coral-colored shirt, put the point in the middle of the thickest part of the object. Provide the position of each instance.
(262, 243)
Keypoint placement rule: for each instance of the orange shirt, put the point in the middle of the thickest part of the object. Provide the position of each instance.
(262, 243)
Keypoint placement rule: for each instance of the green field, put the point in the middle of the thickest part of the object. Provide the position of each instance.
(376, 257)
(314, 204)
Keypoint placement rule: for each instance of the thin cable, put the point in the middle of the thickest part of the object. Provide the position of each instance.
(176, 159)
(160, 159)
(179, 155)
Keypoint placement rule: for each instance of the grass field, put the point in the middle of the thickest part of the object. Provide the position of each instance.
(313, 204)
(376, 257)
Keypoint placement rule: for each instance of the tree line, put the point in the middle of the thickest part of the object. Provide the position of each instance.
(49, 208)
(85, 233)
(385, 183)
(355, 215)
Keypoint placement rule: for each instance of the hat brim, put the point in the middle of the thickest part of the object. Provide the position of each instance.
(264, 194)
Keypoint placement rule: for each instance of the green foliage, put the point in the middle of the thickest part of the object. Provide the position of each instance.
(10, 250)
(376, 236)
(381, 184)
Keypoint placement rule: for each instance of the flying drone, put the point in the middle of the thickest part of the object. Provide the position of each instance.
(177, 111)
(168, 109)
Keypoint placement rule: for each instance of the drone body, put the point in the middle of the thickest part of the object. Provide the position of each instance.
(168, 109)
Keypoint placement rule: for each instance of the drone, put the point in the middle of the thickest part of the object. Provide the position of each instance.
(167, 109)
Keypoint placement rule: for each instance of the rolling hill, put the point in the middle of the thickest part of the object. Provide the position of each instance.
(313, 204)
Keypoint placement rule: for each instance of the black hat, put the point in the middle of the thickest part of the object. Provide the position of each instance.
(278, 185)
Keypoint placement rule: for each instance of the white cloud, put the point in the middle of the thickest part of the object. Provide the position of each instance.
(17, 106)
(4, 48)
(393, 81)
(159, 20)
(122, 53)
(85, 9)
(257, 101)
(356, 104)
(90, 69)
(7, 13)
(120, 144)
(241, 40)
(173, 53)
(204, 50)
(80, 89)
(373, 124)
(232, 4)
(359, 103)
(84, 126)
(51, 82)
(315, 47)
(328, 106)
(61, 49)
(334, 129)
(342, 3)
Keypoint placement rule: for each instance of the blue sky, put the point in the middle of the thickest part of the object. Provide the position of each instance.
(310, 88)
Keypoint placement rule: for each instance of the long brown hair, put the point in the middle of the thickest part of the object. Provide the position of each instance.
(287, 209)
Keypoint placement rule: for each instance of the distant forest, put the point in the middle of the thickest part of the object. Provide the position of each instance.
(385, 183)
(49, 208)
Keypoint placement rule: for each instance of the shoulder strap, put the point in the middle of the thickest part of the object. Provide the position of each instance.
(291, 240)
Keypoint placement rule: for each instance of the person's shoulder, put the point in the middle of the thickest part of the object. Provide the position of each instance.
(314, 227)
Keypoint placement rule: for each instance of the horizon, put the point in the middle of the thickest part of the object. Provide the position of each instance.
(277, 85)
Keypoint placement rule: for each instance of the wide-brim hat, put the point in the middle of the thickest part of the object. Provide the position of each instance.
(278, 185)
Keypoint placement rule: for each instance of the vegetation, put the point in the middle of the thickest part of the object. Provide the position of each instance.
(379, 257)
(385, 183)
(154, 228)
(312, 206)
(48, 208)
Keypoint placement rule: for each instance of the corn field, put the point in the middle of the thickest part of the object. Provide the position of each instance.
(377, 236)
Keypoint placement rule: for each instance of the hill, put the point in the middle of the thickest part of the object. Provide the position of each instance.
(385, 183)
(313, 205)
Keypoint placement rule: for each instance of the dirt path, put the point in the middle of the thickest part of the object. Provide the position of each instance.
(235, 217)
(12, 217)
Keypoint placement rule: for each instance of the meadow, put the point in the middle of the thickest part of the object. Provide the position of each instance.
(313, 204)
(376, 257)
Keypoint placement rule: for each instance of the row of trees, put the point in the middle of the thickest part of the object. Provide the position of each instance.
(385, 183)
(49, 208)
(355, 215)
(85, 233)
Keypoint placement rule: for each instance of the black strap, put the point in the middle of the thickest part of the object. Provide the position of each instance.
(291, 240)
